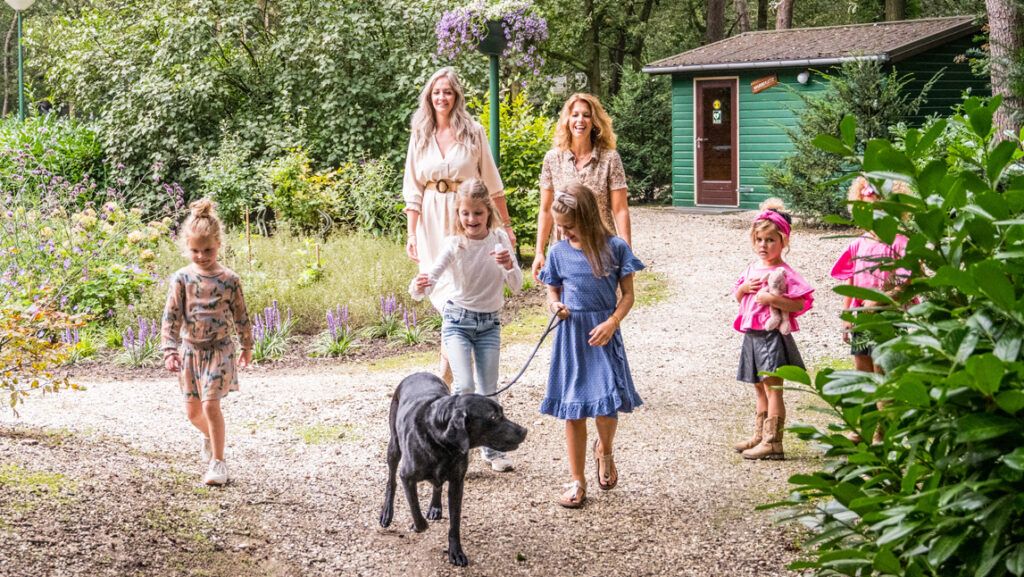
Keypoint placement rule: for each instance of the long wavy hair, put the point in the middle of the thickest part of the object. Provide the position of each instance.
(424, 121)
(601, 135)
(593, 233)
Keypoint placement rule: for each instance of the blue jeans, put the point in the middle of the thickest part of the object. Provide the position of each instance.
(471, 336)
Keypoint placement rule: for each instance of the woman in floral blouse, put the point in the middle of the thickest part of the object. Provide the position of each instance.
(583, 152)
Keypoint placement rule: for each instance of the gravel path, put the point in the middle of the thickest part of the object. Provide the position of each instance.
(306, 455)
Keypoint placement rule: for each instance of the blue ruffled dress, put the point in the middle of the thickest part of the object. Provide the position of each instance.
(583, 380)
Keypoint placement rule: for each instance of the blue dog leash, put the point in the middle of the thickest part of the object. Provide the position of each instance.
(551, 326)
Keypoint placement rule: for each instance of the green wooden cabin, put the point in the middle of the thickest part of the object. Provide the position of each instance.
(730, 104)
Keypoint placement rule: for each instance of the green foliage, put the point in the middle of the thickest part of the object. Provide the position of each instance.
(805, 178)
(525, 139)
(61, 147)
(30, 350)
(289, 193)
(164, 79)
(642, 110)
(231, 180)
(141, 347)
(941, 494)
(375, 206)
(336, 344)
(86, 260)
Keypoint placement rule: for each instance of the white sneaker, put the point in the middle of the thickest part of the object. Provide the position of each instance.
(217, 474)
(206, 453)
(500, 464)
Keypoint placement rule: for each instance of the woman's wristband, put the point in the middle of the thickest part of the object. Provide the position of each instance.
(618, 321)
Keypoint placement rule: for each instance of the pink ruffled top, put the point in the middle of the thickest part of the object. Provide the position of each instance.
(861, 259)
(753, 316)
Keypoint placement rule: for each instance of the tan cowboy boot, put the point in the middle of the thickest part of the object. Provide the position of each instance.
(770, 447)
(753, 441)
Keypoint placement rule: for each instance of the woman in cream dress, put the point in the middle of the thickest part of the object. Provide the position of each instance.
(446, 147)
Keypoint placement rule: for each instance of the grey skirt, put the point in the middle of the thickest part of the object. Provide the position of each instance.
(766, 351)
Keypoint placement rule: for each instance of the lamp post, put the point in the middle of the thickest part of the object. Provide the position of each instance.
(493, 44)
(19, 7)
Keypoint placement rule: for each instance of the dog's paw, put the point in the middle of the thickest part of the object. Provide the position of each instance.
(419, 526)
(434, 513)
(457, 557)
(386, 514)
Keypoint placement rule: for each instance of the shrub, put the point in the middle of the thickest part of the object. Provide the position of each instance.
(805, 178)
(412, 333)
(525, 138)
(30, 351)
(231, 180)
(941, 494)
(92, 259)
(642, 110)
(289, 193)
(376, 205)
(390, 322)
(79, 346)
(63, 147)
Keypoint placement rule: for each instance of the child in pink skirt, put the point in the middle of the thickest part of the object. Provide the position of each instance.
(763, 349)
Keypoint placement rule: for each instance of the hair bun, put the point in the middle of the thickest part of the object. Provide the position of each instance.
(203, 208)
(773, 203)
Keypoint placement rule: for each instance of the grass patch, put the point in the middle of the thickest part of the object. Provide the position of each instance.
(527, 328)
(651, 288)
(405, 361)
(32, 486)
(835, 363)
(183, 525)
(321, 434)
(357, 269)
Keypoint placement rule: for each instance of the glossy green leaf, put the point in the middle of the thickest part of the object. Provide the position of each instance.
(1010, 401)
(975, 427)
(986, 371)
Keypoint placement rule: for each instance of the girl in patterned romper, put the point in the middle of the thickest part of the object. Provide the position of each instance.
(589, 374)
(204, 301)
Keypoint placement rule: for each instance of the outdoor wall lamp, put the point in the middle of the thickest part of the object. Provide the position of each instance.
(19, 7)
(803, 77)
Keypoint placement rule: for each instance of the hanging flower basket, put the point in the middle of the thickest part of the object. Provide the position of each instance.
(511, 28)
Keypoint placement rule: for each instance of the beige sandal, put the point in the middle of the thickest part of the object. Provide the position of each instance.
(574, 497)
(606, 462)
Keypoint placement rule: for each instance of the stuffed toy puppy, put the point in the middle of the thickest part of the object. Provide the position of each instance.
(776, 285)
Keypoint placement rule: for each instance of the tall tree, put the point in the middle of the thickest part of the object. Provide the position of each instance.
(742, 16)
(1006, 38)
(895, 9)
(762, 14)
(784, 15)
(715, 21)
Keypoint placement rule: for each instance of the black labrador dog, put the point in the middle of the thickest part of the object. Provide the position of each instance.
(432, 432)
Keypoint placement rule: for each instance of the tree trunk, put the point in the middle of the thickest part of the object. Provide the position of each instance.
(616, 59)
(784, 15)
(1006, 39)
(594, 74)
(743, 16)
(762, 14)
(7, 66)
(895, 10)
(716, 21)
(637, 53)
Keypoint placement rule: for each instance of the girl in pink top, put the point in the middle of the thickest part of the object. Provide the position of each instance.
(860, 264)
(763, 349)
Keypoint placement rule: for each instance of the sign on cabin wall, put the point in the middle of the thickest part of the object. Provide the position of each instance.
(763, 83)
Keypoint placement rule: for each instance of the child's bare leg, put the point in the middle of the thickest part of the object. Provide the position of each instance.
(606, 433)
(863, 363)
(215, 419)
(194, 409)
(762, 397)
(576, 440)
(773, 390)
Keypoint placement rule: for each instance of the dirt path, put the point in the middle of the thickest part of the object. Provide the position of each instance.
(106, 481)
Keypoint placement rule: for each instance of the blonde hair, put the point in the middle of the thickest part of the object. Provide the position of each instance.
(424, 121)
(601, 135)
(201, 223)
(898, 187)
(474, 190)
(763, 225)
(585, 216)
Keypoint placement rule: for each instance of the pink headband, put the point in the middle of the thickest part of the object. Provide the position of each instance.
(776, 218)
(867, 189)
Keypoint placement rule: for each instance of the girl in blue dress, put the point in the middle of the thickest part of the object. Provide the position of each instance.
(589, 375)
